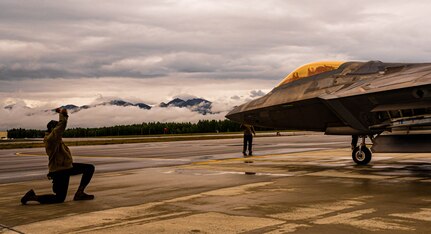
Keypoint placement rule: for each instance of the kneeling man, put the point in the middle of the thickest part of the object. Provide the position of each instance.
(61, 166)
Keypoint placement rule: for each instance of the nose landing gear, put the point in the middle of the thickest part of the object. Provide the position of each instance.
(361, 155)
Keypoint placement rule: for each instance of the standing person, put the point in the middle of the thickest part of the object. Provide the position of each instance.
(248, 139)
(61, 166)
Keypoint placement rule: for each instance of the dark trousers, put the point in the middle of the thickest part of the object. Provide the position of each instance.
(60, 182)
(248, 140)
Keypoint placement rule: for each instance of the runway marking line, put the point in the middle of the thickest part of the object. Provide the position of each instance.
(75, 156)
(19, 154)
(249, 158)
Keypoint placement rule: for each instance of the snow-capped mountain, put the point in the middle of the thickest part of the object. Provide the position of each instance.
(199, 105)
(124, 103)
(117, 102)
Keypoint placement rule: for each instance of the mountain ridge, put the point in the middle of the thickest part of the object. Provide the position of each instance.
(199, 105)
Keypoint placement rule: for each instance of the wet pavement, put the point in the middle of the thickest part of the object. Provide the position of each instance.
(293, 184)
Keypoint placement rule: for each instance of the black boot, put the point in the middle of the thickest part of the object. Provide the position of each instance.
(80, 195)
(29, 196)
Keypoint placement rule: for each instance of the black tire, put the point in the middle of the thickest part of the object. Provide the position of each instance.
(361, 158)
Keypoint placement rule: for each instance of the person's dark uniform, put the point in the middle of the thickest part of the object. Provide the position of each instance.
(248, 139)
(61, 166)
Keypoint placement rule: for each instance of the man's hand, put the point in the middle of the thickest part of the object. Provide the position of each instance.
(61, 110)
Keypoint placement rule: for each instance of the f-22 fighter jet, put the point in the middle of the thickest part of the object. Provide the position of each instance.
(388, 102)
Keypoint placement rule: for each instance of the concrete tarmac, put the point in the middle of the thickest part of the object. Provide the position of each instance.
(293, 184)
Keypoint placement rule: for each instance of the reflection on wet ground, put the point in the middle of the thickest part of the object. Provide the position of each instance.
(383, 166)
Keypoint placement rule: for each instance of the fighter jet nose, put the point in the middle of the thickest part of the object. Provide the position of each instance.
(234, 115)
(230, 116)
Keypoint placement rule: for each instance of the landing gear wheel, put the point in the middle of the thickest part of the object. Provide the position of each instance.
(361, 156)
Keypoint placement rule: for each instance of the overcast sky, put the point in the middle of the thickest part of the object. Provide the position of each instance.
(77, 52)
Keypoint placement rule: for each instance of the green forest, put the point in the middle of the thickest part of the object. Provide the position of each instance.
(151, 128)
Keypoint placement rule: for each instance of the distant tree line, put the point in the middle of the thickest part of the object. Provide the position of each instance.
(151, 128)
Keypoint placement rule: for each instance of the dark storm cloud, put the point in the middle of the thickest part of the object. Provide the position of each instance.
(211, 39)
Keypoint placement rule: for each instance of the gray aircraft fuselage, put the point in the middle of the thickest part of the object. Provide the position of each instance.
(357, 98)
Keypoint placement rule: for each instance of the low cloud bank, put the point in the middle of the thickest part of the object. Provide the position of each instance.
(101, 116)
(23, 103)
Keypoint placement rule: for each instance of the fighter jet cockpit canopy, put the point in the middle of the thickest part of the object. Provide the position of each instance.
(311, 69)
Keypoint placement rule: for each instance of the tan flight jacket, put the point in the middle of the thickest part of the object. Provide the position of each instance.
(59, 154)
(248, 129)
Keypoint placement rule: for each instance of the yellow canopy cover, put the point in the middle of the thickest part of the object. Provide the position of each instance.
(311, 69)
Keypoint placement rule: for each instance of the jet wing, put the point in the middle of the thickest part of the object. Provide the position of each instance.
(392, 78)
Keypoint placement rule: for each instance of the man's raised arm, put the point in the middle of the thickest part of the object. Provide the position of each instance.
(61, 126)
